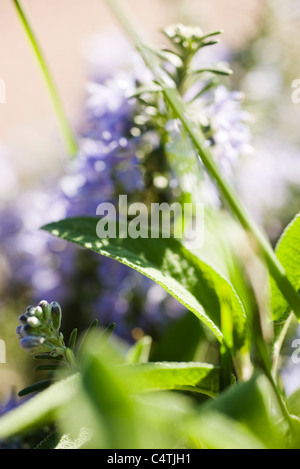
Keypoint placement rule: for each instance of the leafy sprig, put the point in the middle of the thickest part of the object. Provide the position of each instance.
(39, 334)
(176, 65)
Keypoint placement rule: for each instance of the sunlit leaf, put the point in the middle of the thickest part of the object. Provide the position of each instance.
(193, 282)
(288, 252)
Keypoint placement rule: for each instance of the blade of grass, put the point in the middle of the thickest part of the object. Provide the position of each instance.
(66, 131)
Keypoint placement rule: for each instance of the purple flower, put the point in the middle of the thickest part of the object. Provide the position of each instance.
(228, 122)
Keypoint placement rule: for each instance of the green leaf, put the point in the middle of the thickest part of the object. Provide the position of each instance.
(294, 407)
(254, 405)
(40, 410)
(294, 403)
(165, 54)
(72, 339)
(140, 351)
(218, 71)
(113, 404)
(50, 442)
(145, 89)
(190, 280)
(288, 253)
(46, 368)
(214, 430)
(66, 441)
(35, 387)
(197, 377)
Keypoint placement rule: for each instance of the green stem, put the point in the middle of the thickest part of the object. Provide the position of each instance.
(278, 345)
(227, 345)
(225, 367)
(67, 133)
(265, 366)
(176, 103)
(292, 420)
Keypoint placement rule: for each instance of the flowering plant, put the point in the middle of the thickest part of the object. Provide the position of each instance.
(189, 346)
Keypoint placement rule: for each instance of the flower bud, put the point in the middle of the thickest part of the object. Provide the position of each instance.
(33, 322)
(19, 332)
(28, 330)
(56, 315)
(38, 313)
(45, 307)
(31, 342)
(23, 319)
(30, 311)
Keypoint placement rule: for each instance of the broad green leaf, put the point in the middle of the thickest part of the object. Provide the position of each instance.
(118, 416)
(214, 430)
(293, 403)
(192, 376)
(288, 252)
(190, 280)
(40, 410)
(254, 405)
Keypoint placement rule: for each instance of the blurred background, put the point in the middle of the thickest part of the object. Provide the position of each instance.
(65, 31)
(260, 43)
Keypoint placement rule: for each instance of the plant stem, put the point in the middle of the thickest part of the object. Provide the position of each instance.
(266, 366)
(225, 367)
(278, 345)
(292, 420)
(227, 345)
(67, 133)
(176, 103)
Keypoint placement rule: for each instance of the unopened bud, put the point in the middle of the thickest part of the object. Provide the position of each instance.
(19, 332)
(46, 310)
(23, 319)
(30, 311)
(28, 330)
(31, 342)
(56, 315)
(38, 312)
(33, 322)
